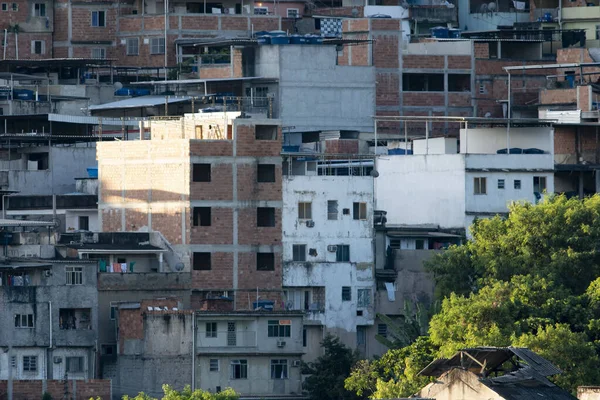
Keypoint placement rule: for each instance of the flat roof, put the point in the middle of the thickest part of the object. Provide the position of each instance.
(550, 66)
(24, 265)
(54, 62)
(142, 101)
(17, 223)
(89, 120)
(14, 75)
(193, 81)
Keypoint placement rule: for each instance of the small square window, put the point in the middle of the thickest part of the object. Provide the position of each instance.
(74, 364)
(265, 173)
(265, 216)
(211, 329)
(360, 211)
(39, 10)
(15, 6)
(265, 261)
(304, 210)
(239, 369)
(84, 223)
(74, 275)
(342, 253)
(214, 365)
(98, 19)
(299, 252)
(292, 13)
(500, 183)
(202, 216)
(201, 173)
(202, 261)
(29, 363)
(99, 53)
(23, 320)
(346, 293)
(157, 46)
(517, 184)
(266, 132)
(4, 6)
(420, 244)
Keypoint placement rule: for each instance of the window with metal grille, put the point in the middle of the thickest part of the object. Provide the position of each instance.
(359, 211)
(346, 293)
(395, 243)
(500, 183)
(517, 184)
(231, 334)
(479, 185)
(157, 46)
(265, 261)
(99, 53)
(133, 46)
(265, 216)
(342, 253)
(202, 261)
(276, 328)
(293, 13)
(98, 19)
(29, 363)
(239, 369)
(214, 364)
(304, 210)
(211, 329)
(74, 364)
(74, 275)
(382, 330)
(265, 173)
(363, 297)
(279, 369)
(23, 320)
(299, 252)
(332, 209)
(201, 173)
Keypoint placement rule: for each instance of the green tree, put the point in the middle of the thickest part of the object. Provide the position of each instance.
(327, 372)
(188, 394)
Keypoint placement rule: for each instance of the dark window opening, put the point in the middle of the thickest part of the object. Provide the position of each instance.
(201, 173)
(423, 82)
(266, 173)
(420, 244)
(84, 223)
(382, 330)
(202, 216)
(493, 49)
(299, 252)
(75, 318)
(37, 161)
(266, 132)
(459, 82)
(346, 293)
(342, 253)
(265, 216)
(202, 261)
(265, 261)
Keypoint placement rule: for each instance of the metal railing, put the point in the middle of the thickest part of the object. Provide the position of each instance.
(434, 13)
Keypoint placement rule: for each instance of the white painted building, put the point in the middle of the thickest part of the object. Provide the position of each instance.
(438, 186)
(328, 249)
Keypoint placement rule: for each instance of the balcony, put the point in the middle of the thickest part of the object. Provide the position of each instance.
(144, 281)
(545, 14)
(225, 341)
(580, 13)
(434, 14)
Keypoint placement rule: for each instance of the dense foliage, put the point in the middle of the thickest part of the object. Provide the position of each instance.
(530, 279)
(188, 394)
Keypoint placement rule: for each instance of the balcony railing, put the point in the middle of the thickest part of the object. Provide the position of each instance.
(226, 340)
(442, 14)
(545, 14)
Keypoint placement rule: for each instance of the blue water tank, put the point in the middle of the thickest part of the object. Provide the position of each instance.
(23, 94)
(280, 40)
(92, 172)
(267, 305)
(439, 32)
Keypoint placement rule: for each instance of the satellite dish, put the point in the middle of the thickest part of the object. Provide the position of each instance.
(118, 86)
(488, 114)
(179, 267)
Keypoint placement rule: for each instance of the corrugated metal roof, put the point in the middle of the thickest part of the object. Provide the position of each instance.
(82, 119)
(537, 363)
(142, 101)
(193, 81)
(17, 222)
(17, 265)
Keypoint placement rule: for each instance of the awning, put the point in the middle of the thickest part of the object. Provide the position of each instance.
(142, 101)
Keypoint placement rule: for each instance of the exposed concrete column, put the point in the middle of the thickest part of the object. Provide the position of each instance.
(581, 184)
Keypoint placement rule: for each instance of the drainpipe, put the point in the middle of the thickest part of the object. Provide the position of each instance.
(50, 320)
(194, 331)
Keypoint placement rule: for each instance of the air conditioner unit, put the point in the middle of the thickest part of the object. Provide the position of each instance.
(48, 273)
(332, 248)
(310, 223)
(57, 360)
(280, 343)
(296, 363)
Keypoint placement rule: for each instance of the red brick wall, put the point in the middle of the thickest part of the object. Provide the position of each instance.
(385, 25)
(220, 276)
(482, 50)
(423, 99)
(219, 188)
(423, 61)
(248, 145)
(250, 278)
(223, 71)
(220, 231)
(33, 389)
(341, 146)
(249, 233)
(265, 23)
(387, 90)
(459, 62)
(459, 99)
(250, 189)
(234, 24)
(131, 326)
(337, 11)
(211, 148)
(564, 140)
(385, 51)
(556, 96)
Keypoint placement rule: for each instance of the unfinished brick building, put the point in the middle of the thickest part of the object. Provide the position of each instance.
(213, 189)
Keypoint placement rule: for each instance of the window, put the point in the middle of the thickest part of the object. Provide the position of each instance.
(29, 363)
(15, 7)
(265, 261)
(265, 173)
(299, 252)
(74, 275)
(304, 210)
(214, 365)
(261, 10)
(292, 13)
(459, 82)
(74, 364)
(346, 293)
(281, 328)
(13, 361)
(279, 369)
(201, 173)
(84, 223)
(4, 6)
(342, 253)
(304, 337)
(202, 261)
(39, 10)
(133, 47)
(99, 53)
(239, 369)
(74, 318)
(265, 132)
(422, 82)
(479, 185)
(23, 320)
(109, 349)
(265, 216)
(38, 47)
(113, 310)
(539, 184)
(211, 329)
(157, 46)
(500, 183)
(597, 28)
(364, 298)
(359, 211)
(98, 19)
(382, 330)
(361, 335)
(332, 209)
(482, 89)
(517, 184)
(420, 244)
(202, 216)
